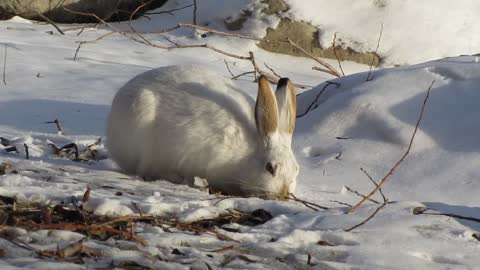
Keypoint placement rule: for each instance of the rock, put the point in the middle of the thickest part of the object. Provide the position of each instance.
(302, 33)
(307, 37)
(53, 9)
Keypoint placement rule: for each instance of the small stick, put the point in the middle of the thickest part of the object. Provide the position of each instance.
(27, 154)
(273, 71)
(242, 74)
(306, 203)
(49, 21)
(330, 68)
(168, 11)
(195, 12)
(361, 195)
(395, 166)
(255, 67)
(327, 83)
(375, 53)
(59, 127)
(342, 203)
(228, 68)
(375, 183)
(336, 53)
(77, 50)
(368, 218)
(5, 65)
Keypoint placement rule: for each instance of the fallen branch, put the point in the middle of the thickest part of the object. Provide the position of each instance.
(368, 218)
(168, 11)
(144, 41)
(195, 12)
(395, 166)
(336, 53)
(310, 205)
(422, 210)
(327, 83)
(375, 53)
(5, 65)
(361, 195)
(375, 183)
(27, 154)
(329, 68)
(59, 127)
(48, 21)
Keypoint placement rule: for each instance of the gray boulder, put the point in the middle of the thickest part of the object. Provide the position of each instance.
(111, 10)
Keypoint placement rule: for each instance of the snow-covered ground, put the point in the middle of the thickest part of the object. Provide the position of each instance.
(357, 124)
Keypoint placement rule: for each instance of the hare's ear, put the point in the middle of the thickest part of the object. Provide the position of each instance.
(287, 105)
(266, 109)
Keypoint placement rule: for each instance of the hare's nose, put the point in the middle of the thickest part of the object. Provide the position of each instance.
(284, 193)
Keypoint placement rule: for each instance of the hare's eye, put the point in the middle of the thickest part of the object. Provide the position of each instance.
(270, 168)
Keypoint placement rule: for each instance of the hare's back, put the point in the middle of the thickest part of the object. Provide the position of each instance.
(179, 116)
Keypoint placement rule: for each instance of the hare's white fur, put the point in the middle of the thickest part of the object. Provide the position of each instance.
(181, 122)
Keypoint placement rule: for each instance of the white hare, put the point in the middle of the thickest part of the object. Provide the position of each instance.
(181, 122)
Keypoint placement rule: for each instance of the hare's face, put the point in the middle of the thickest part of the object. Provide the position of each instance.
(280, 166)
(275, 170)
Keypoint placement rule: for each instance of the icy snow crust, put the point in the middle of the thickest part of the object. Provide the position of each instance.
(374, 118)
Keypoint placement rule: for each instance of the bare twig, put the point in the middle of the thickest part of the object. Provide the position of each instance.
(228, 68)
(395, 166)
(76, 51)
(242, 74)
(5, 64)
(423, 210)
(336, 53)
(59, 127)
(255, 67)
(195, 12)
(375, 53)
(48, 20)
(361, 195)
(329, 68)
(327, 83)
(272, 70)
(342, 203)
(310, 205)
(27, 153)
(168, 11)
(375, 183)
(368, 218)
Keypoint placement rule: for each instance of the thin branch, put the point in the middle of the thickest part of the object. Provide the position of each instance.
(228, 68)
(242, 74)
(361, 195)
(27, 153)
(336, 53)
(368, 218)
(77, 50)
(375, 53)
(195, 12)
(272, 70)
(168, 11)
(395, 166)
(255, 67)
(59, 127)
(330, 68)
(5, 64)
(375, 183)
(422, 211)
(310, 205)
(341, 203)
(48, 20)
(327, 83)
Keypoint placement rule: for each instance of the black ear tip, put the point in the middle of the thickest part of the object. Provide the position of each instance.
(283, 82)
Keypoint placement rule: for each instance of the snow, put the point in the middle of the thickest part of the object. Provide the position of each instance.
(412, 30)
(375, 119)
